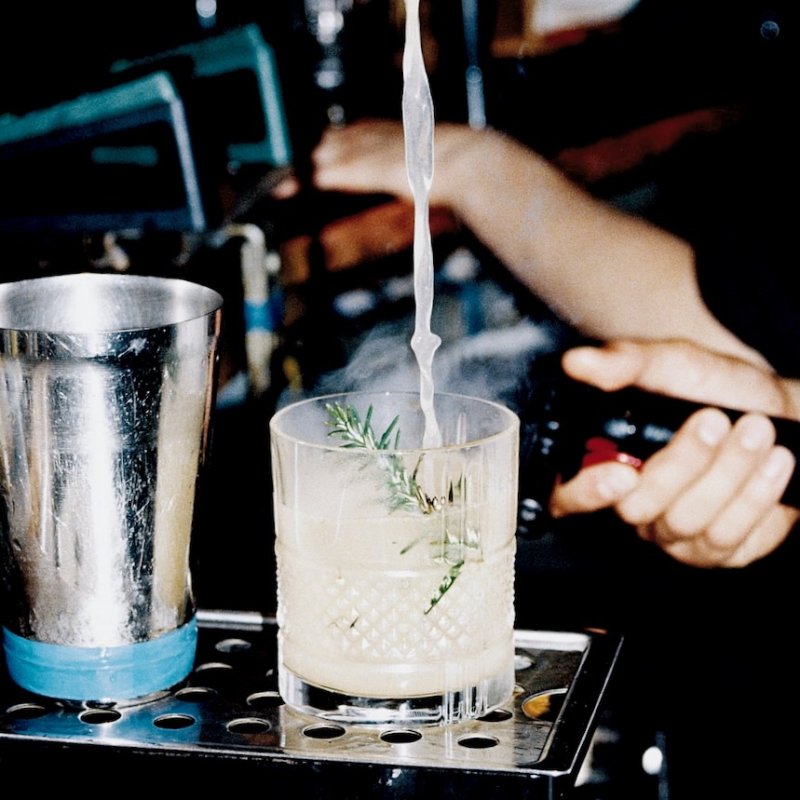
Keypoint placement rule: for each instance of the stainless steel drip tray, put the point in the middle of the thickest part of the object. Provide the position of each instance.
(228, 717)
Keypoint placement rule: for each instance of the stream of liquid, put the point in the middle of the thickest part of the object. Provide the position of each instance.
(418, 124)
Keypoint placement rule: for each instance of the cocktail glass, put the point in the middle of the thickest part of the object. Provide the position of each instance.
(395, 561)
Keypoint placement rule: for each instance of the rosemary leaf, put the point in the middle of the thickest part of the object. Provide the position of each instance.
(446, 583)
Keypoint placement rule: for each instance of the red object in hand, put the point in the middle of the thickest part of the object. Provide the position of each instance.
(600, 450)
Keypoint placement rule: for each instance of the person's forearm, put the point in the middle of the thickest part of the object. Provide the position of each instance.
(609, 274)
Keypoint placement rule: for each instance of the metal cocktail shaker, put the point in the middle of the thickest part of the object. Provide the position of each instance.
(107, 383)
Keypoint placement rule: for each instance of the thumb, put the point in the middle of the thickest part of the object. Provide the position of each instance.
(609, 367)
(677, 368)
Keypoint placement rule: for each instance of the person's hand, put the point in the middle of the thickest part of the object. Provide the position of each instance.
(710, 497)
(368, 157)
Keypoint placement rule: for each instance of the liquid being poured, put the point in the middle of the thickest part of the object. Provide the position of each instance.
(418, 125)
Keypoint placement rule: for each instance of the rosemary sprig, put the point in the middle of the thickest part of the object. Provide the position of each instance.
(404, 489)
(345, 421)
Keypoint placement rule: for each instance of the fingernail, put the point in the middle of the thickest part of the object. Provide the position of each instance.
(713, 426)
(778, 462)
(754, 432)
(616, 483)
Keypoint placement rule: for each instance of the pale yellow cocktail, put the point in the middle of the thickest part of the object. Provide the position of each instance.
(395, 564)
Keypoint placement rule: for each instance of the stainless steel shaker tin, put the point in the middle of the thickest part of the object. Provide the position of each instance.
(106, 388)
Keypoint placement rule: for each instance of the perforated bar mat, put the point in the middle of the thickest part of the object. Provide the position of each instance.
(227, 721)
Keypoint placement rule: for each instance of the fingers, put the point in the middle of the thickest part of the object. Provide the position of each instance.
(759, 541)
(593, 488)
(750, 512)
(710, 498)
(677, 469)
(705, 498)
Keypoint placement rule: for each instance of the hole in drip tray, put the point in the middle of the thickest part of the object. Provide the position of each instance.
(476, 742)
(323, 731)
(233, 646)
(265, 700)
(174, 722)
(99, 716)
(214, 673)
(248, 725)
(26, 711)
(195, 694)
(213, 666)
(401, 737)
(497, 715)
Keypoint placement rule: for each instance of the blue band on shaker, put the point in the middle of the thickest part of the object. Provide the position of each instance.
(121, 672)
